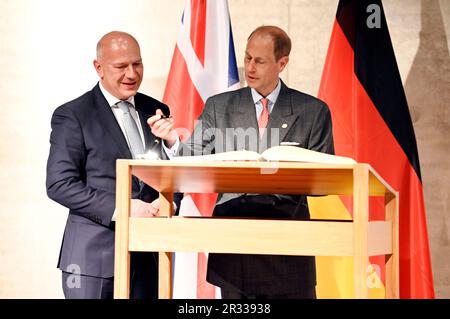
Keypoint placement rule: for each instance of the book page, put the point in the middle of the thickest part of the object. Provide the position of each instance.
(225, 156)
(284, 153)
(281, 153)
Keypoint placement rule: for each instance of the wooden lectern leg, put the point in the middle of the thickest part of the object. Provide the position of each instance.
(165, 258)
(360, 224)
(166, 204)
(122, 254)
(165, 275)
(392, 260)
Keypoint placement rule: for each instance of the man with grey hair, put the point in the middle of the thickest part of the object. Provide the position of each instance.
(267, 106)
(88, 135)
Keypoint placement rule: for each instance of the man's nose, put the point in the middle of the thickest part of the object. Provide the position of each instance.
(131, 71)
(251, 66)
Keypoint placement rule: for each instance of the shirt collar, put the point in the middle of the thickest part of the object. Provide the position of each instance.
(111, 99)
(272, 97)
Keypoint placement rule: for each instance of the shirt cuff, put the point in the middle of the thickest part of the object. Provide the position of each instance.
(171, 152)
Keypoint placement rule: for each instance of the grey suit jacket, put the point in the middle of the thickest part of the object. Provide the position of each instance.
(228, 123)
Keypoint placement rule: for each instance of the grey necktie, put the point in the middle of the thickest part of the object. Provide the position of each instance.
(131, 129)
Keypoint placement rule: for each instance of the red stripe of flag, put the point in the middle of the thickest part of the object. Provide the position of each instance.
(198, 18)
(181, 95)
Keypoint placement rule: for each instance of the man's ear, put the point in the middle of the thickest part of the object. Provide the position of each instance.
(282, 62)
(98, 67)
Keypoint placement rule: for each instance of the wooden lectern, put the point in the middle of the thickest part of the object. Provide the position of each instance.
(359, 237)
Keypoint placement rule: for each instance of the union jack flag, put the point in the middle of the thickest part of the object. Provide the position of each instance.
(203, 64)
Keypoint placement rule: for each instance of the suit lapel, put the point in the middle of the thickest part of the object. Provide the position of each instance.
(109, 122)
(146, 110)
(243, 111)
(143, 117)
(244, 115)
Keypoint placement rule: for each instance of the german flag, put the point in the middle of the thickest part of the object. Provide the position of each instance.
(371, 123)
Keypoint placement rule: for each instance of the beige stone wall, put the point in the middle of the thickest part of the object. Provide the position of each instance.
(46, 52)
(427, 87)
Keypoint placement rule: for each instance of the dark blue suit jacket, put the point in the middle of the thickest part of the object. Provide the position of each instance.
(86, 141)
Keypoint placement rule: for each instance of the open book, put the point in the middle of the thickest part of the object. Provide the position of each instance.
(282, 153)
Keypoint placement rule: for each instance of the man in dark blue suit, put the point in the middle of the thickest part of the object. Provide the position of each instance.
(88, 135)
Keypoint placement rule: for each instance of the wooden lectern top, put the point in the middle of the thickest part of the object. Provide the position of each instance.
(255, 177)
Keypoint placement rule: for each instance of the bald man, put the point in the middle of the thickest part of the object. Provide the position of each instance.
(88, 135)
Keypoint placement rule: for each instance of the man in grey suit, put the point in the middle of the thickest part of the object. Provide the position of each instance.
(88, 135)
(277, 114)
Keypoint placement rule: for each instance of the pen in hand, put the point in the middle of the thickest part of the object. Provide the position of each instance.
(161, 126)
(157, 140)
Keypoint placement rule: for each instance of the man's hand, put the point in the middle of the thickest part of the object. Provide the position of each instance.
(140, 208)
(162, 127)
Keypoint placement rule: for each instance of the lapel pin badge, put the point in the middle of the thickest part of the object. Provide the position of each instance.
(284, 125)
